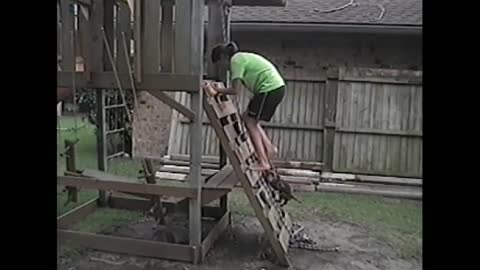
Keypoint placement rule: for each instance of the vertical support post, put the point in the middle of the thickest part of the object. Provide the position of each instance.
(166, 36)
(59, 32)
(96, 43)
(71, 166)
(101, 140)
(108, 27)
(218, 31)
(189, 59)
(123, 26)
(138, 12)
(84, 20)
(67, 17)
(151, 37)
(330, 113)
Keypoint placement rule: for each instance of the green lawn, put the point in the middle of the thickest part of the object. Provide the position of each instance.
(396, 222)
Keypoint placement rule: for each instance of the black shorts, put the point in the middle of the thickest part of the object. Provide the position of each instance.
(263, 106)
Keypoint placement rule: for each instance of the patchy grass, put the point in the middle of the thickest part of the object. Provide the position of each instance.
(102, 220)
(396, 222)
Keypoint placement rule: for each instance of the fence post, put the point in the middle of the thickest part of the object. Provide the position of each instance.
(330, 112)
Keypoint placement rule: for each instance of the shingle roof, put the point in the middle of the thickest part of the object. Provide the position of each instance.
(396, 12)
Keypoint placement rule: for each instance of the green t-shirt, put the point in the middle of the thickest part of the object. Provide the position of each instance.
(256, 72)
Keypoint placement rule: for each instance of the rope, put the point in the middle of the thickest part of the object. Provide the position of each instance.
(115, 74)
(134, 91)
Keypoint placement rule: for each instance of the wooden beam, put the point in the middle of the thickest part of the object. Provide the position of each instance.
(153, 189)
(329, 119)
(216, 231)
(152, 82)
(219, 176)
(123, 26)
(102, 163)
(376, 75)
(273, 125)
(108, 28)
(173, 104)
(309, 165)
(137, 33)
(264, 3)
(404, 133)
(365, 190)
(125, 202)
(166, 36)
(77, 214)
(123, 245)
(67, 19)
(151, 37)
(71, 165)
(189, 59)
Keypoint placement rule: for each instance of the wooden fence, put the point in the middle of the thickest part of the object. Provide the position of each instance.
(355, 120)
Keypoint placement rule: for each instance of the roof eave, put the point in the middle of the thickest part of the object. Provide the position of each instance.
(326, 27)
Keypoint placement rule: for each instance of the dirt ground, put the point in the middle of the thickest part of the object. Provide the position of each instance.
(239, 249)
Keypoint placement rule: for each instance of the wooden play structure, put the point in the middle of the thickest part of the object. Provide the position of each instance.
(135, 46)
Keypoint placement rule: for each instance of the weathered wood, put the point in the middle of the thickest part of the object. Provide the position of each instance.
(186, 169)
(404, 133)
(128, 246)
(71, 165)
(389, 180)
(123, 29)
(152, 82)
(101, 139)
(272, 124)
(67, 19)
(278, 163)
(330, 109)
(372, 75)
(189, 59)
(213, 235)
(115, 185)
(137, 34)
(166, 36)
(364, 190)
(279, 251)
(77, 214)
(230, 181)
(109, 32)
(219, 176)
(270, 3)
(151, 37)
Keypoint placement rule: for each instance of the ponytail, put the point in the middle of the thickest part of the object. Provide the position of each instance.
(228, 49)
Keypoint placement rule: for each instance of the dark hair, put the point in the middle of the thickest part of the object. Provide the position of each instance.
(228, 49)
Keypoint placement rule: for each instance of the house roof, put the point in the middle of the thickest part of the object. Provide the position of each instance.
(362, 12)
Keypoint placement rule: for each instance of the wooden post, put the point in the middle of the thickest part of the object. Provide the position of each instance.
(189, 59)
(166, 36)
(151, 37)
(101, 140)
(71, 166)
(218, 31)
(67, 26)
(329, 120)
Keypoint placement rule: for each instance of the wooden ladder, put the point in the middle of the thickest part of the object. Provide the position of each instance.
(236, 142)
